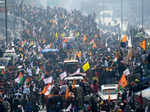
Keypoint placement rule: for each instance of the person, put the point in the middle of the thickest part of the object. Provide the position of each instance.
(28, 106)
(2, 107)
(6, 105)
(35, 108)
(43, 100)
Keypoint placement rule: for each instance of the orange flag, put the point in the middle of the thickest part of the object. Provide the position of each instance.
(79, 54)
(3, 72)
(123, 81)
(45, 89)
(67, 93)
(143, 44)
(84, 38)
(66, 40)
(94, 45)
(124, 38)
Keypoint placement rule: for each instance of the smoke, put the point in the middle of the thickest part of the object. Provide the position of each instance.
(83, 5)
(43, 3)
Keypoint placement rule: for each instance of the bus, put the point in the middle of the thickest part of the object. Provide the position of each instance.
(108, 91)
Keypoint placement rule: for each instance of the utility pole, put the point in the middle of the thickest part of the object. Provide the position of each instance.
(6, 34)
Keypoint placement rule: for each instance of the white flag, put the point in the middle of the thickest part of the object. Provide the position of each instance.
(69, 108)
(63, 75)
(126, 72)
(49, 90)
(48, 80)
(78, 73)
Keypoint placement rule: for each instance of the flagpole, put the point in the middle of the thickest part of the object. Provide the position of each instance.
(103, 15)
(142, 13)
(6, 22)
(121, 16)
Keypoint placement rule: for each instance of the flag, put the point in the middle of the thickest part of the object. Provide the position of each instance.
(77, 34)
(123, 82)
(67, 93)
(84, 38)
(77, 72)
(50, 45)
(63, 75)
(3, 72)
(31, 43)
(56, 35)
(20, 78)
(47, 89)
(143, 44)
(79, 54)
(23, 43)
(66, 40)
(62, 35)
(92, 41)
(94, 45)
(126, 72)
(129, 42)
(86, 67)
(124, 38)
(48, 80)
(69, 108)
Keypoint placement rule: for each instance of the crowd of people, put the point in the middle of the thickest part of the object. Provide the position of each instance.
(76, 36)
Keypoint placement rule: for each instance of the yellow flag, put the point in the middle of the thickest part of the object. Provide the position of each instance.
(62, 35)
(143, 44)
(31, 43)
(56, 35)
(77, 34)
(86, 66)
(124, 38)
